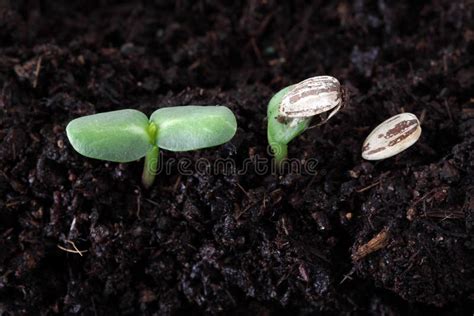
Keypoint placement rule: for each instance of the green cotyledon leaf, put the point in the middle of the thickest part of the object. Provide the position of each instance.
(119, 136)
(192, 127)
(282, 132)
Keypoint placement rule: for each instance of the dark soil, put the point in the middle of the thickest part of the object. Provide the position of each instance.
(242, 244)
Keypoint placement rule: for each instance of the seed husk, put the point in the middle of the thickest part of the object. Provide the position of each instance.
(312, 96)
(392, 137)
(378, 242)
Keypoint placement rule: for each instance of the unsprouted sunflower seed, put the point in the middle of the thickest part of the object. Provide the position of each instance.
(392, 137)
(311, 97)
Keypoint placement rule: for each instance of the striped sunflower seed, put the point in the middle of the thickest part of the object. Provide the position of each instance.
(392, 137)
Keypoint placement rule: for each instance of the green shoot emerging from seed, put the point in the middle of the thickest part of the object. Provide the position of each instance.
(290, 110)
(128, 135)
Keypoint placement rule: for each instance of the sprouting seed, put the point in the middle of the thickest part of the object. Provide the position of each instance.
(290, 110)
(311, 97)
(392, 137)
(128, 135)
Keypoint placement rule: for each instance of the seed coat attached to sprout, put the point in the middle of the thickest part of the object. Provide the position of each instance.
(312, 96)
(290, 110)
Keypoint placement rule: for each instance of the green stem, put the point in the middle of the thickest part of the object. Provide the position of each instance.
(150, 167)
(280, 151)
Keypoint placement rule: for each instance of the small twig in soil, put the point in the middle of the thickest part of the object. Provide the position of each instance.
(422, 116)
(446, 215)
(279, 197)
(139, 203)
(412, 262)
(245, 210)
(373, 184)
(424, 197)
(303, 273)
(256, 50)
(2, 95)
(11, 204)
(93, 306)
(448, 110)
(194, 65)
(468, 111)
(347, 276)
(37, 71)
(284, 226)
(368, 187)
(231, 297)
(243, 190)
(72, 227)
(285, 276)
(376, 243)
(75, 250)
(307, 250)
(262, 27)
(152, 202)
(6, 233)
(176, 184)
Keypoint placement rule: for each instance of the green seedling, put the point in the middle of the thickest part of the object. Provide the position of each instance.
(290, 110)
(128, 135)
